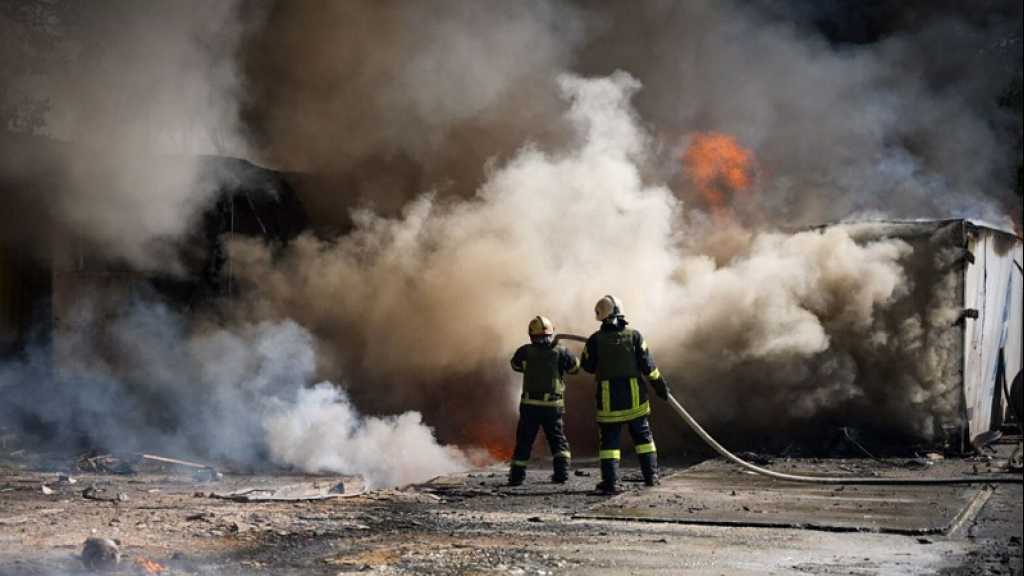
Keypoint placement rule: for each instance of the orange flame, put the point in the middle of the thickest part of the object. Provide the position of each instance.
(149, 566)
(497, 441)
(720, 168)
(494, 437)
(499, 451)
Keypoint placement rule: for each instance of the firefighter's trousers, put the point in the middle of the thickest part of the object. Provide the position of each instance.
(643, 443)
(531, 420)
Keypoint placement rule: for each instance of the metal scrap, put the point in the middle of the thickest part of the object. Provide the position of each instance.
(105, 464)
(204, 472)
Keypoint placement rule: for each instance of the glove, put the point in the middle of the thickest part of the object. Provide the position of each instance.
(661, 388)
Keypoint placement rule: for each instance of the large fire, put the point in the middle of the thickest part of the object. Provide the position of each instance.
(720, 168)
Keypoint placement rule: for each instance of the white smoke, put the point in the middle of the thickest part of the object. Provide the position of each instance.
(322, 431)
(142, 380)
(786, 295)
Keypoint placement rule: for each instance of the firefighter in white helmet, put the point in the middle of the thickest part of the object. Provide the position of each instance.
(619, 359)
(542, 405)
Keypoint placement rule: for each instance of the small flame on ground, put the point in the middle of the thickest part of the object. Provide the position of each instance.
(149, 566)
(720, 168)
(499, 451)
(494, 438)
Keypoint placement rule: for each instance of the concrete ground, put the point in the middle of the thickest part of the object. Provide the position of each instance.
(472, 524)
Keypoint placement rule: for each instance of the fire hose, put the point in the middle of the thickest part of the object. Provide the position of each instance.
(725, 453)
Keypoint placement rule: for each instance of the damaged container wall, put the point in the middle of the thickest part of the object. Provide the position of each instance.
(976, 269)
(992, 327)
(1013, 340)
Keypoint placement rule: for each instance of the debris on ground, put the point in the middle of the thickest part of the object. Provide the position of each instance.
(917, 463)
(101, 554)
(203, 472)
(316, 490)
(1016, 461)
(99, 463)
(94, 492)
(755, 458)
(984, 440)
(265, 524)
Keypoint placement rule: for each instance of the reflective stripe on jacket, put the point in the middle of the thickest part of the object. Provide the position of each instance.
(619, 358)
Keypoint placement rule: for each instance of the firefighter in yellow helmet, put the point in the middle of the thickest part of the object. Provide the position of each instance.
(619, 359)
(542, 405)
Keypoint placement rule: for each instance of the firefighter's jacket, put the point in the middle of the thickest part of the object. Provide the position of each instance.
(619, 358)
(544, 367)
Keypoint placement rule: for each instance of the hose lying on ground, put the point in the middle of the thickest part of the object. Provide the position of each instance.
(1000, 479)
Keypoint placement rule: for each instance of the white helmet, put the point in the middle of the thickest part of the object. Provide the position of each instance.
(541, 326)
(608, 307)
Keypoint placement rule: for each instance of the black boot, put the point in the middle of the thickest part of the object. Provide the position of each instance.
(560, 473)
(516, 475)
(609, 477)
(649, 468)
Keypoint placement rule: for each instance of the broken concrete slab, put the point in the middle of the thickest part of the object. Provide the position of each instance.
(324, 489)
(720, 497)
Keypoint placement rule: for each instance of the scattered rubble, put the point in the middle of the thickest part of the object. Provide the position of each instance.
(307, 491)
(264, 525)
(101, 554)
(105, 464)
(1016, 462)
(94, 492)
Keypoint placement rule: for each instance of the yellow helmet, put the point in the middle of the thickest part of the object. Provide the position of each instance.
(608, 307)
(541, 326)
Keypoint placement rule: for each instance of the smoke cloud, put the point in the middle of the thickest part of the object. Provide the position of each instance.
(781, 319)
(468, 166)
(391, 101)
(133, 94)
(139, 379)
(440, 262)
(882, 128)
(322, 431)
(394, 98)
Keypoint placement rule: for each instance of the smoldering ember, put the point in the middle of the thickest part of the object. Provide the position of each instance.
(293, 287)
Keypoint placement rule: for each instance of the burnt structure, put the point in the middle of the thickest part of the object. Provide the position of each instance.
(966, 292)
(52, 283)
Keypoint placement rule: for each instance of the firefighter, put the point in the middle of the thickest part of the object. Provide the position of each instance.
(619, 359)
(542, 405)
